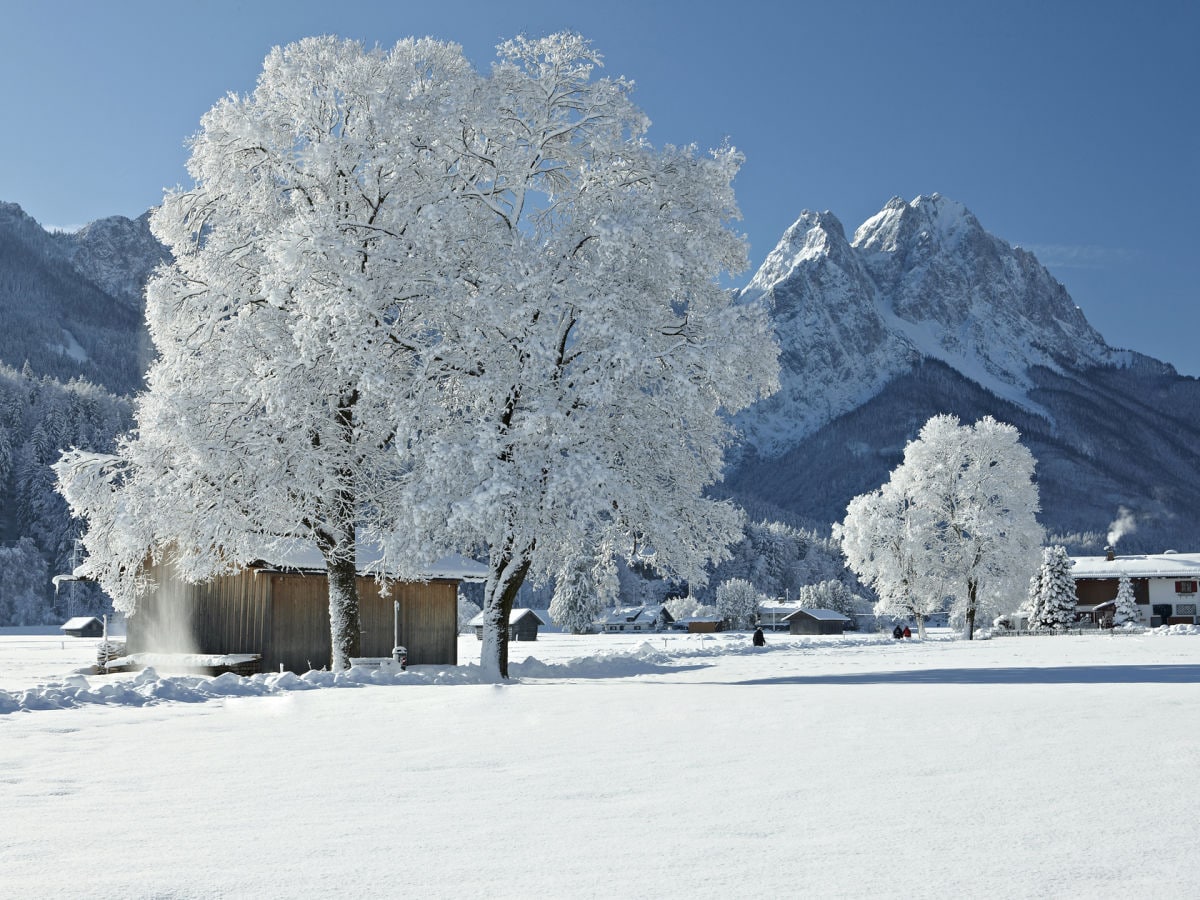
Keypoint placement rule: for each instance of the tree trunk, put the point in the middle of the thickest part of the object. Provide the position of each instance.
(972, 594)
(505, 579)
(920, 617)
(345, 624)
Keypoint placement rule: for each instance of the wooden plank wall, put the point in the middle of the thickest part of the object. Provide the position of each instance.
(285, 618)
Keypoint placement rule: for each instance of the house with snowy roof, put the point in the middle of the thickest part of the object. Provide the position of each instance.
(1164, 585)
(523, 625)
(817, 621)
(82, 626)
(635, 618)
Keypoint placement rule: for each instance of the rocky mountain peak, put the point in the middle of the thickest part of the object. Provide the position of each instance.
(921, 279)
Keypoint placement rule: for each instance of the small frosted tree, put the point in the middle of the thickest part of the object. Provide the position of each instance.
(585, 586)
(1126, 612)
(1055, 604)
(737, 601)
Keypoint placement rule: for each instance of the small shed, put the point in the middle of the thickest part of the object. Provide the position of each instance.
(523, 625)
(83, 627)
(816, 621)
(704, 624)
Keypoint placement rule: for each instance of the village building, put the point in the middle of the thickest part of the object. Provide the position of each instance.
(816, 621)
(635, 618)
(772, 614)
(1164, 586)
(523, 625)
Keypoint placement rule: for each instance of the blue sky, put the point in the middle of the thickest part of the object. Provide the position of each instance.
(1071, 128)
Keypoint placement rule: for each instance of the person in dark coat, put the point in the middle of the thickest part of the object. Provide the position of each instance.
(897, 633)
(759, 640)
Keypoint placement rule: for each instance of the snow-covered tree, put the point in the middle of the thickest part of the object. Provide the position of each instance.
(1054, 607)
(957, 517)
(584, 587)
(1126, 611)
(978, 503)
(881, 537)
(437, 310)
(737, 601)
(689, 607)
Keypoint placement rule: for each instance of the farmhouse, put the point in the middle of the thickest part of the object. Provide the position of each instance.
(523, 625)
(1164, 586)
(635, 618)
(772, 614)
(816, 621)
(279, 610)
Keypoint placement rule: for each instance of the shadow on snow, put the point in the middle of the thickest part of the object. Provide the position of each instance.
(1181, 674)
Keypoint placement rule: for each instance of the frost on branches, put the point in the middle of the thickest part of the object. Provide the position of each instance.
(957, 517)
(440, 311)
(1053, 606)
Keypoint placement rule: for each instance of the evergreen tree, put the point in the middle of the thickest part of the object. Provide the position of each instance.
(1056, 599)
(583, 588)
(1126, 612)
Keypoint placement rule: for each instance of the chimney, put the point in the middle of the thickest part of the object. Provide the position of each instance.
(1108, 554)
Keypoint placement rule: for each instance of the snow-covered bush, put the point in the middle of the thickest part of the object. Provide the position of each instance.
(583, 588)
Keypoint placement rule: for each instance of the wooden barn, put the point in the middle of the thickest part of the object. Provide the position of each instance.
(281, 613)
(816, 621)
(523, 625)
(83, 627)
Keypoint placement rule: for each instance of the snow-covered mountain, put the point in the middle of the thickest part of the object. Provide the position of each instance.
(71, 303)
(924, 312)
(920, 280)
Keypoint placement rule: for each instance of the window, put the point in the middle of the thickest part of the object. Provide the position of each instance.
(1185, 609)
(1185, 587)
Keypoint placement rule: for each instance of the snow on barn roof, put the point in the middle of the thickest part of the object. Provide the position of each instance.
(302, 554)
(78, 622)
(513, 617)
(824, 615)
(1147, 565)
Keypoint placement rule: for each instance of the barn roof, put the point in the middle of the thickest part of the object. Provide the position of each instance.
(303, 554)
(823, 615)
(1146, 565)
(513, 617)
(78, 622)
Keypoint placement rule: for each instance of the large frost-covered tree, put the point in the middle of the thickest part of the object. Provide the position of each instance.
(881, 537)
(437, 310)
(958, 516)
(974, 487)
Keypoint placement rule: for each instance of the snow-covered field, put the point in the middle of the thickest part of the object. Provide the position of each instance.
(613, 766)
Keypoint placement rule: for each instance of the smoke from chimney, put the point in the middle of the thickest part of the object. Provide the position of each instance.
(1122, 525)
